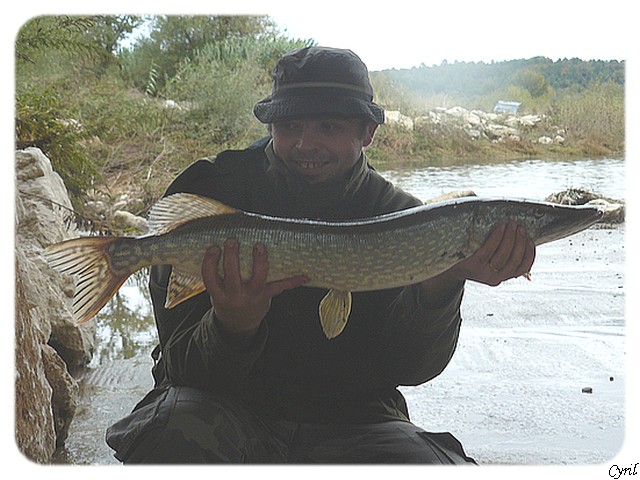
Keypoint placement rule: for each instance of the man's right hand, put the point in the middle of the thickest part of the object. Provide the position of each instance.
(241, 305)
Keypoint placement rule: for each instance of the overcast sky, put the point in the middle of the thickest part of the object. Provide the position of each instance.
(400, 36)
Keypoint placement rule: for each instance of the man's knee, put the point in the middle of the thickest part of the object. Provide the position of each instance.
(185, 425)
(387, 442)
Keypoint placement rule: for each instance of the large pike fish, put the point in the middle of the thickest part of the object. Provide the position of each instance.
(382, 252)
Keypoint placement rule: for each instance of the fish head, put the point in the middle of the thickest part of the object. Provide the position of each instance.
(543, 221)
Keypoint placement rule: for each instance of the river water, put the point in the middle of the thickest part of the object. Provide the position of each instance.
(533, 179)
(518, 426)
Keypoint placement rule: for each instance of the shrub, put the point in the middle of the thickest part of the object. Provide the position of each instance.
(220, 86)
(41, 122)
(595, 117)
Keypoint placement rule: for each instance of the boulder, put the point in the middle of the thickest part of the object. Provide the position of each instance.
(457, 111)
(613, 213)
(529, 120)
(394, 117)
(451, 196)
(48, 342)
(613, 209)
(35, 433)
(127, 223)
(495, 131)
(473, 119)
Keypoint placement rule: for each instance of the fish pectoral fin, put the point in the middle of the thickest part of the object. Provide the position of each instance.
(334, 310)
(182, 286)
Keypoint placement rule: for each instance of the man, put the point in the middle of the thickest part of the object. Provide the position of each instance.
(245, 372)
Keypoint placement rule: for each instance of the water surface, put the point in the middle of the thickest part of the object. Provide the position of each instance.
(533, 179)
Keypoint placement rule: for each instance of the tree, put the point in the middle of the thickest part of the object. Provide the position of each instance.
(57, 33)
(535, 83)
(175, 40)
(95, 37)
(109, 31)
(42, 118)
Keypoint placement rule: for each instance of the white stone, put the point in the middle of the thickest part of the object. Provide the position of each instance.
(394, 117)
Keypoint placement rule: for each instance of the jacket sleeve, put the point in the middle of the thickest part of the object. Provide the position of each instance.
(195, 351)
(418, 342)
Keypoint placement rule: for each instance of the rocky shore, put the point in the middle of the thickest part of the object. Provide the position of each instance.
(48, 344)
(496, 127)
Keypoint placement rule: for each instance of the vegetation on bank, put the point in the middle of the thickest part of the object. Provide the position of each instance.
(583, 99)
(118, 120)
(592, 124)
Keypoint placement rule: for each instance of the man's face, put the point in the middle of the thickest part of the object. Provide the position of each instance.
(321, 149)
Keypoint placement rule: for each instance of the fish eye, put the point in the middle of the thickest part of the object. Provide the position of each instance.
(538, 212)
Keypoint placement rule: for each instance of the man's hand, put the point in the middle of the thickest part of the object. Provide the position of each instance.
(507, 253)
(241, 305)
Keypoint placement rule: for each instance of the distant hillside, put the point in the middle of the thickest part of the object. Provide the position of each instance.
(538, 76)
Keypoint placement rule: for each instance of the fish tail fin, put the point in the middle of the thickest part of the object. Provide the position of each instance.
(89, 260)
(334, 310)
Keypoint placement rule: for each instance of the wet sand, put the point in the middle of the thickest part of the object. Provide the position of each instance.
(513, 392)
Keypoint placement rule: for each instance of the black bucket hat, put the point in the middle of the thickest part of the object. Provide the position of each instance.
(319, 80)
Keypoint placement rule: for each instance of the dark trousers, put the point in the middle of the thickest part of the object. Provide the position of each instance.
(185, 425)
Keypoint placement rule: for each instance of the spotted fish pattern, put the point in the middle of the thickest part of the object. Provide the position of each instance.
(386, 251)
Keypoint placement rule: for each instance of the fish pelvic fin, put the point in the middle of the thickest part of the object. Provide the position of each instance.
(334, 311)
(96, 280)
(174, 210)
(182, 286)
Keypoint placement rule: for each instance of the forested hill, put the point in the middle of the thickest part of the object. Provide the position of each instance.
(537, 75)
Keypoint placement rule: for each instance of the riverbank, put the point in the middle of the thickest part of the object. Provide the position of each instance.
(140, 170)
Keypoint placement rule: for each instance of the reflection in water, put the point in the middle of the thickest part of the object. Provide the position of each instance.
(118, 376)
(125, 326)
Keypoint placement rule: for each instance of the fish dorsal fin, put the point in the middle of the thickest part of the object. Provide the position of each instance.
(174, 210)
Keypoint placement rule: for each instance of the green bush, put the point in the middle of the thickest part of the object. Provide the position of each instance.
(594, 117)
(115, 112)
(217, 90)
(42, 122)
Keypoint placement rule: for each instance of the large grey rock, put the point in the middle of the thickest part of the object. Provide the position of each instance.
(34, 424)
(48, 342)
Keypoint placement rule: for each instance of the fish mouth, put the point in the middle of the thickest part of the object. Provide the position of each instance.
(578, 218)
(592, 214)
(599, 213)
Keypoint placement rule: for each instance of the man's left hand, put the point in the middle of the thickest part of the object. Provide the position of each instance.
(507, 253)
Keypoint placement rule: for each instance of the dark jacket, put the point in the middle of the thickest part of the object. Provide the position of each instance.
(291, 370)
